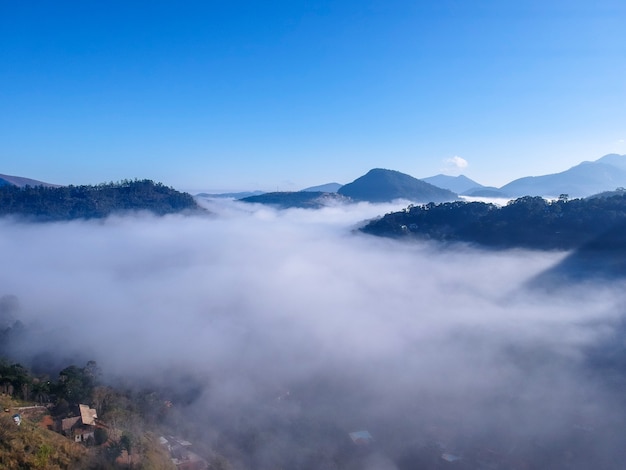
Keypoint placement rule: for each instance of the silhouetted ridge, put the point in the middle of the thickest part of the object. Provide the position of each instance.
(530, 222)
(380, 185)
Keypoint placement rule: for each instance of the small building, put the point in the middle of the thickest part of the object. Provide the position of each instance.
(181, 455)
(80, 428)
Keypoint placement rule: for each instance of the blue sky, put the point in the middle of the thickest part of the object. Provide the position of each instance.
(233, 95)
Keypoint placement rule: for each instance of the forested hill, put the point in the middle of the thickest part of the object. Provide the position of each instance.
(86, 202)
(529, 222)
(299, 199)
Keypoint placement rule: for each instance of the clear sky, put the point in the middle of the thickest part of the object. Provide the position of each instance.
(234, 95)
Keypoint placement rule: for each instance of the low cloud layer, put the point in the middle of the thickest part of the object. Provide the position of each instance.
(411, 341)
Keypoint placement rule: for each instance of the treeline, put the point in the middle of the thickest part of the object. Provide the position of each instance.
(74, 385)
(528, 222)
(80, 385)
(87, 202)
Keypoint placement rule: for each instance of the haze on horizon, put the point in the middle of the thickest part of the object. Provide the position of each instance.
(412, 341)
(251, 95)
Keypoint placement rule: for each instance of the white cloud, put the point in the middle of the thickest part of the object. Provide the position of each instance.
(455, 164)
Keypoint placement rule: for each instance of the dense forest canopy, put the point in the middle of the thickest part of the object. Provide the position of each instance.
(530, 222)
(86, 202)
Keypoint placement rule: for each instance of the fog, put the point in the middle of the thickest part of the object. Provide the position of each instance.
(284, 316)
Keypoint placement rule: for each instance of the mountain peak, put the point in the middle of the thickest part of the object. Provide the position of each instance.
(382, 185)
(613, 159)
(457, 184)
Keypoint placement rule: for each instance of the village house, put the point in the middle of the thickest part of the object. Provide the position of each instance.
(181, 455)
(79, 428)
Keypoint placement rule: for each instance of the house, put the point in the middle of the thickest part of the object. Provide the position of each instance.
(80, 428)
(181, 455)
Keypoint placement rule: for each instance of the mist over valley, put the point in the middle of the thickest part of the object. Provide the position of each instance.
(277, 333)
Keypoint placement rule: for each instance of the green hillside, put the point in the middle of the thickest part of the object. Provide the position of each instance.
(30, 446)
(528, 222)
(42, 203)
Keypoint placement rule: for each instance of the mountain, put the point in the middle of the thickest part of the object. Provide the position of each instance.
(380, 185)
(585, 179)
(614, 159)
(456, 184)
(7, 180)
(485, 191)
(325, 188)
(301, 199)
(239, 195)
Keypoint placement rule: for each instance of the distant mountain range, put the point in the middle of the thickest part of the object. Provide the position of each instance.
(239, 195)
(381, 185)
(378, 185)
(456, 184)
(608, 173)
(585, 179)
(325, 188)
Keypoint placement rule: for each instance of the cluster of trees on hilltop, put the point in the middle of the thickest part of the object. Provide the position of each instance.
(86, 202)
(530, 222)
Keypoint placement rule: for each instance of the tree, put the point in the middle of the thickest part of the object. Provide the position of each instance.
(100, 436)
(112, 451)
(15, 378)
(75, 384)
(125, 444)
(41, 390)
